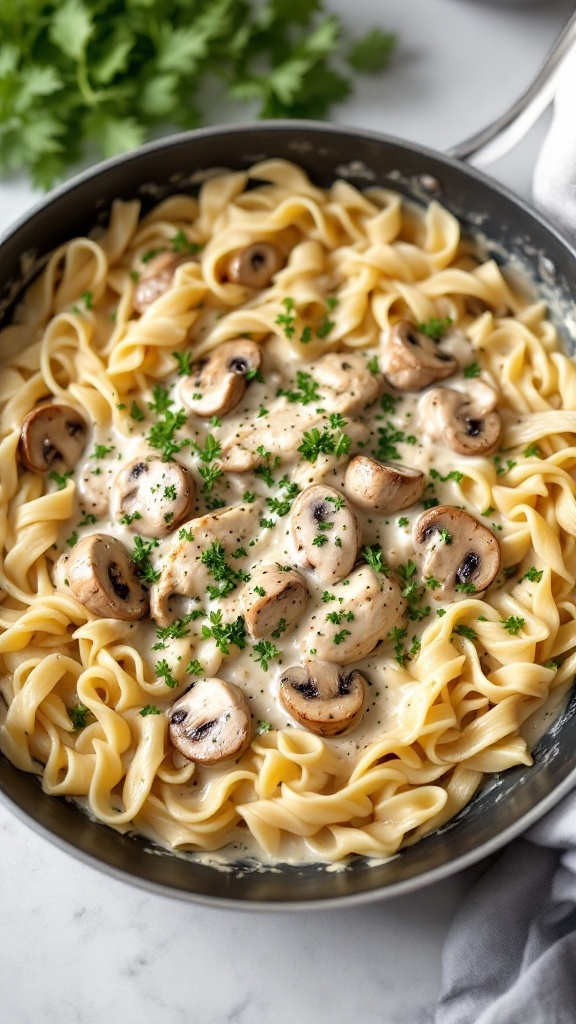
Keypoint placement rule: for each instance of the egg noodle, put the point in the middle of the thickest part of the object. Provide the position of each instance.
(449, 688)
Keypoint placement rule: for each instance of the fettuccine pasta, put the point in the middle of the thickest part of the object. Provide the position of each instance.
(236, 374)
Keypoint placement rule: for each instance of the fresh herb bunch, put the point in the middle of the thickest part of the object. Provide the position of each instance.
(97, 77)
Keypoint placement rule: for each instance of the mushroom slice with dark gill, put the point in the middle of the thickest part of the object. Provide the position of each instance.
(354, 385)
(153, 497)
(218, 382)
(211, 722)
(365, 607)
(382, 486)
(456, 550)
(273, 599)
(102, 577)
(466, 422)
(156, 278)
(411, 360)
(51, 434)
(322, 697)
(325, 532)
(255, 265)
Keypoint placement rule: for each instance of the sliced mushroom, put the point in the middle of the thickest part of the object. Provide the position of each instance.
(211, 722)
(322, 697)
(456, 550)
(51, 433)
(184, 571)
(382, 486)
(325, 532)
(157, 277)
(102, 577)
(411, 360)
(348, 376)
(153, 497)
(367, 606)
(273, 600)
(467, 422)
(218, 382)
(255, 265)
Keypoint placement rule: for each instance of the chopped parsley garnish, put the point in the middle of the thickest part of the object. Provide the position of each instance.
(161, 400)
(163, 671)
(88, 519)
(265, 651)
(466, 631)
(434, 328)
(532, 451)
(445, 536)
(337, 502)
(175, 631)
(374, 556)
(403, 521)
(374, 366)
(141, 556)
(225, 633)
(181, 244)
(389, 437)
(263, 727)
(472, 371)
(454, 474)
(162, 434)
(306, 336)
(184, 360)
(60, 480)
(280, 628)
(320, 540)
(315, 443)
(149, 709)
(513, 624)
(214, 558)
(305, 392)
(130, 517)
(396, 636)
(337, 617)
(194, 668)
(72, 539)
(287, 319)
(184, 534)
(339, 638)
(101, 451)
(78, 716)
(136, 413)
(327, 596)
(533, 574)
(466, 588)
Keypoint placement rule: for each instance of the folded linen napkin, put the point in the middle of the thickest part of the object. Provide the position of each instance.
(510, 956)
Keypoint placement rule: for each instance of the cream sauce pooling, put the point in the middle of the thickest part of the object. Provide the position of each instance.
(271, 418)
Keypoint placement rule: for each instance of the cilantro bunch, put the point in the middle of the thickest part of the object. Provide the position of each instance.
(91, 78)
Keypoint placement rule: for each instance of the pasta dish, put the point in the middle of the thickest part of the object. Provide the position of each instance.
(288, 531)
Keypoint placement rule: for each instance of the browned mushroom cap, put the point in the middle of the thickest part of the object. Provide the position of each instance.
(348, 375)
(411, 360)
(153, 497)
(218, 382)
(273, 599)
(211, 722)
(456, 549)
(102, 578)
(157, 277)
(255, 265)
(325, 532)
(367, 606)
(382, 486)
(51, 433)
(322, 697)
(467, 423)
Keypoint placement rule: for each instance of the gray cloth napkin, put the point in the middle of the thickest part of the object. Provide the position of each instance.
(510, 956)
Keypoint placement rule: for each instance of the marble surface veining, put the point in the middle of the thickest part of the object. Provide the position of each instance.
(79, 947)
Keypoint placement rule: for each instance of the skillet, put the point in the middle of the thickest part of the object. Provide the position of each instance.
(509, 232)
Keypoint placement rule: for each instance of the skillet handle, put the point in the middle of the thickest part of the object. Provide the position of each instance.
(502, 135)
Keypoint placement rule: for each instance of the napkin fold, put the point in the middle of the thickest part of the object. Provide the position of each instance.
(510, 955)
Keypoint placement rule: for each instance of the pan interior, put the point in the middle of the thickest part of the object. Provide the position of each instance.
(506, 230)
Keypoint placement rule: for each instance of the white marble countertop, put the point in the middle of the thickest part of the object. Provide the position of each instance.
(79, 947)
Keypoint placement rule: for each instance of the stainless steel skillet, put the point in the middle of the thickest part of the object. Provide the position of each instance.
(514, 235)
